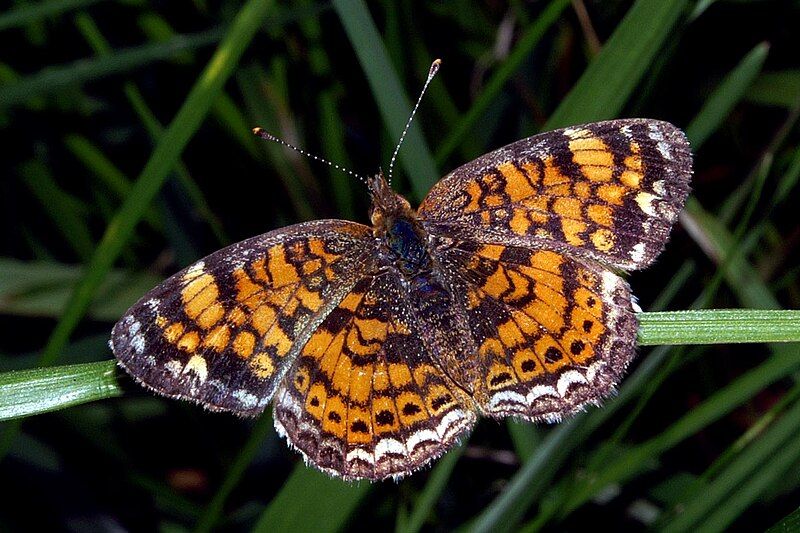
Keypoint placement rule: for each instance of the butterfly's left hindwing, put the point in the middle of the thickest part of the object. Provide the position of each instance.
(223, 331)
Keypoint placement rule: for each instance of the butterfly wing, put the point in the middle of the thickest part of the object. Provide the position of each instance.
(224, 331)
(608, 191)
(552, 333)
(366, 397)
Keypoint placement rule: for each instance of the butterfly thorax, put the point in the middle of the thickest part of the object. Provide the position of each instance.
(396, 225)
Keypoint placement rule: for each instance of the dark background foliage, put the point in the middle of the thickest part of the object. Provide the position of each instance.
(699, 437)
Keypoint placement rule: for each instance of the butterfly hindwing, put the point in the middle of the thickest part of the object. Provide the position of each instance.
(366, 398)
(552, 333)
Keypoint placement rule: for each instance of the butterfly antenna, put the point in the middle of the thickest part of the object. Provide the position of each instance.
(431, 73)
(260, 132)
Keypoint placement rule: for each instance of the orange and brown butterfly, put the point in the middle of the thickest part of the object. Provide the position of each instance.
(381, 346)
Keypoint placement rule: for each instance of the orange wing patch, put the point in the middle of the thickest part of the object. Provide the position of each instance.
(610, 190)
(223, 328)
(548, 328)
(365, 399)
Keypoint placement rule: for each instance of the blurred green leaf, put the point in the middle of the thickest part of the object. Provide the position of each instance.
(312, 501)
(27, 13)
(37, 288)
(608, 82)
(54, 78)
(389, 93)
(719, 104)
(762, 463)
(781, 88)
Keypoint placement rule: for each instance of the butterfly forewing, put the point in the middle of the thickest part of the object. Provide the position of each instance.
(224, 331)
(608, 191)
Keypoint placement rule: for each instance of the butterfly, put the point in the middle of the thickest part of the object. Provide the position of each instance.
(380, 346)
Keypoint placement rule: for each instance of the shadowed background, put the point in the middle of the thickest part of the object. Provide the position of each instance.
(127, 154)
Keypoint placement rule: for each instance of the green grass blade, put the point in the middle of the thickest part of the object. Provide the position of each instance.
(727, 94)
(26, 13)
(754, 459)
(30, 392)
(774, 460)
(788, 523)
(610, 79)
(68, 214)
(312, 501)
(163, 159)
(106, 172)
(506, 509)
(780, 88)
(393, 103)
(719, 326)
(437, 481)
(101, 46)
(54, 78)
(38, 288)
(715, 240)
(213, 511)
(722, 402)
(494, 86)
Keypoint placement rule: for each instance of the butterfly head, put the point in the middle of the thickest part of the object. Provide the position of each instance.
(387, 205)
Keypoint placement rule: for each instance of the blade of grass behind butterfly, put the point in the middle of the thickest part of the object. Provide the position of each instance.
(39, 288)
(225, 110)
(392, 100)
(68, 213)
(522, 50)
(104, 170)
(102, 48)
(213, 511)
(628, 463)
(54, 78)
(23, 14)
(332, 131)
(607, 84)
(312, 501)
(438, 478)
(763, 463)
(778, 88)
(147, 185)
(729, 470)
(258, 87)
(726, 95)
